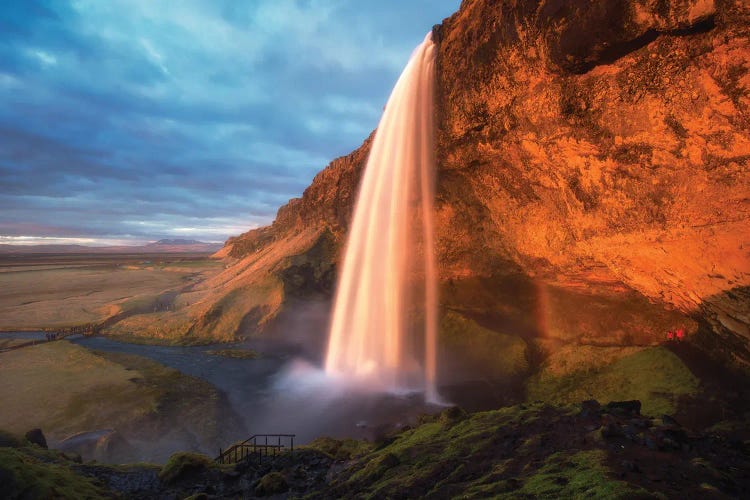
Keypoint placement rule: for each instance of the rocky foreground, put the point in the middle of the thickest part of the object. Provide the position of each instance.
(527, 451)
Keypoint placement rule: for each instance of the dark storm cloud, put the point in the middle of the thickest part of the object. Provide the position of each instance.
(143, 119)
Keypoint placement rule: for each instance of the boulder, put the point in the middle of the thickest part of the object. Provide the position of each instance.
(624, 407)
(272, 483)
(36, 436)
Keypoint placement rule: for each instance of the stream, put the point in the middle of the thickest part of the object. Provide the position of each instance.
(276, 393)
(279, 392)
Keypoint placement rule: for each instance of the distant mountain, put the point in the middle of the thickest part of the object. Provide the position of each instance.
(177, 242)
(161, 246)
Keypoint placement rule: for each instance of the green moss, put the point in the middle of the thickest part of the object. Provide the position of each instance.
(495, 354)
(655, 376)
(183, 464)
(428, 453)
(376, 468)
(479, 456)
(272, 483)
(22, 475)
(452, 415)
(340, 449)
(578, 475)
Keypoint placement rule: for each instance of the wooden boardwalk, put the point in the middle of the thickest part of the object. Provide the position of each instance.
(257, 445)
(63, 333)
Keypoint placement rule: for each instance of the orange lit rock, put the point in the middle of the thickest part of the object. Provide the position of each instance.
(612, 136)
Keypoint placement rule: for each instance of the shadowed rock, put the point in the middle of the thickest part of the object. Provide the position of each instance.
(36, 436)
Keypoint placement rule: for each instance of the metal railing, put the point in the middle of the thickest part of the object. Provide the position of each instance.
(259, 445)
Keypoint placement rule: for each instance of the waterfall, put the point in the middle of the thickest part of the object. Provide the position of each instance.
(377, 335)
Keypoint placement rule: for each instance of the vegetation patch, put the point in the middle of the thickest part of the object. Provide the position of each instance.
(506, 453)
(578, 475)
(69, 389)
(58, 378)
(234, 353)
(340, 449)
(8, 439)
(23, 475)
(495, 354)
(272, 483)
(655, 376)
(184, 464)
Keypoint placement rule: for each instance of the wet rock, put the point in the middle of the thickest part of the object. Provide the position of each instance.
(74, 457)
(104, 445)
(198, 496)
(641, 423)
(630, 433)
(630, 466)
(36, 436)
(676, 435)
(667, 420)
(611, 428)
(590, 408)
(131, 481)
(611, 431)
(632, 407)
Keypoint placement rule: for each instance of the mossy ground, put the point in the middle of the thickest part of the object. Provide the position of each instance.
(654, 375)
(494, 354)
(36, 474)
(578, 475)
(340, 449)
(506, 453)
(523, 451)
(68, 389)
(183, 464)
(272, 483)
(63, 388)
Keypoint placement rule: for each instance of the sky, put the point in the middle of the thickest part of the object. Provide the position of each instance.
(126, 121)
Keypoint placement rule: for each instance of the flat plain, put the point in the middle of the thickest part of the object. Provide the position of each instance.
(56, 291)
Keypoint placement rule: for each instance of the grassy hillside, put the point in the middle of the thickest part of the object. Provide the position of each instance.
(66, 389)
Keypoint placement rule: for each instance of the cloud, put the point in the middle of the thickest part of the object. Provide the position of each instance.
(142, 119)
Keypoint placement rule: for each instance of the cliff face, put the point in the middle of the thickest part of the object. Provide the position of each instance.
(593, 181)
(601, 143)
